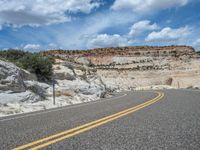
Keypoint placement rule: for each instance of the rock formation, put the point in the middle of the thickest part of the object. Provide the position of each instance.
(21, 92)
(140, 66)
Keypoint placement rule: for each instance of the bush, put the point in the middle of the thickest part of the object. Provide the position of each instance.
(35, 63)
(39, 65)
(12, 55)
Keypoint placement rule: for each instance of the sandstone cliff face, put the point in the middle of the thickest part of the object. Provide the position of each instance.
(12, 78)
(134, 50)
(17, 84)
(78, 80)
(21, 92)
(141, 66)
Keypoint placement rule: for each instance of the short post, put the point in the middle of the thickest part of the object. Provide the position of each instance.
(54, 95)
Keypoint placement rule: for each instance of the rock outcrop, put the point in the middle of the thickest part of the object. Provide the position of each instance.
(11, 77)
(21, 92)
(77, 79)
(140, 66)
(19, 85)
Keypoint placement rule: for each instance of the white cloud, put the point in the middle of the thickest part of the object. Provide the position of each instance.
(196, 44)
(69, 37)
(52, 46)
(32, 47)
(168, 34)
(143, 6)
(72, 35)
(41, 12)
(105, 40)
(142, 26)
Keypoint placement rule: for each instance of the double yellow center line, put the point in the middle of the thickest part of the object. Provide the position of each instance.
(80, 129)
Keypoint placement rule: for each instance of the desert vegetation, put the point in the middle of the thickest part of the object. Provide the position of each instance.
(132, 50)
(41, 66)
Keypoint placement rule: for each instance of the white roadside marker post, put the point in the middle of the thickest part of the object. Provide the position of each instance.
(54, 95)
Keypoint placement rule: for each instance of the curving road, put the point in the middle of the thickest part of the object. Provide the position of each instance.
(168, 119)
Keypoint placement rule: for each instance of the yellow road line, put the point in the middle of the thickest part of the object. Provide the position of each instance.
(68, 133)
(89, 128)
(79, 127)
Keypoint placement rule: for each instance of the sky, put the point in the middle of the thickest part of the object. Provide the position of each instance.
(35, 25)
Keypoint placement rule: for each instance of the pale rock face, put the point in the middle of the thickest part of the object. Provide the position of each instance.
(28, 76)
(18, 85)
(27, 96)
(83, 60)
(74, 84)
(63, 72)
(126, 68)
(83, 82)
(37, 88)
(11, 77)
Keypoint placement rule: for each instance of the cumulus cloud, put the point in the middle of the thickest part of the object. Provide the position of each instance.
(105, 40)
(142, 26)
(196, 44)
(168, 34)
(32, 47)
(147, 5)
(41, 12)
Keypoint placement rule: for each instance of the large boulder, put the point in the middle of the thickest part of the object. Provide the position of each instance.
(27, 96)
(37, 88)
(12, 77)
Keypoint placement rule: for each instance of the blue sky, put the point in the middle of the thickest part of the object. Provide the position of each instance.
(85, 24)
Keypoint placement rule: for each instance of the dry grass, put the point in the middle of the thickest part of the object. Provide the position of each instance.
(62, 93)
(58, 93)
(66, 93)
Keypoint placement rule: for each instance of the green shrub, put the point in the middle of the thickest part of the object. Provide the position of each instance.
(12, 55)
(39, 65)
(35, 63)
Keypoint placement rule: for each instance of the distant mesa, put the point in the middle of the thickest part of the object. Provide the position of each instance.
(128, 51)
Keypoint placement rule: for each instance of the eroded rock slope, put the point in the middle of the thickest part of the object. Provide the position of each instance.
(140, 67)
(21, 92)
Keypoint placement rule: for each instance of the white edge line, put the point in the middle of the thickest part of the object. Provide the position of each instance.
(59, 109)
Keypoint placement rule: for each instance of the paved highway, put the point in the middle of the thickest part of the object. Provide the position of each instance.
(149, 120)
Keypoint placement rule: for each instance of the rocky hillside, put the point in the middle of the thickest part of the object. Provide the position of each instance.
(83, 76)
(141, 66)
(20, 91)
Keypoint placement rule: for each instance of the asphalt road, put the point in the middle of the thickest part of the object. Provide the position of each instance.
(133, 121)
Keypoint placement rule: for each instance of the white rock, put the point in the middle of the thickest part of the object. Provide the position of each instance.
(11, 77)
(27, 96)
